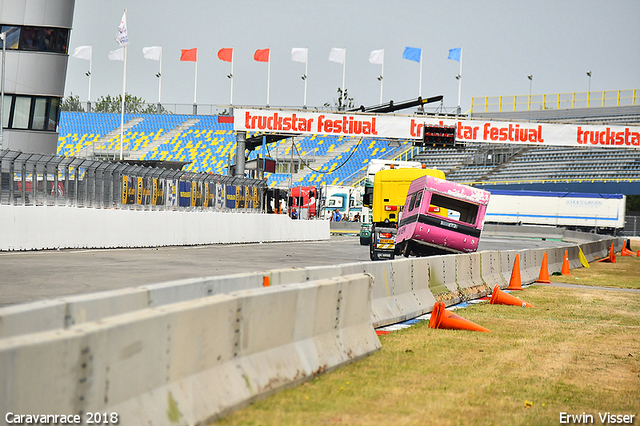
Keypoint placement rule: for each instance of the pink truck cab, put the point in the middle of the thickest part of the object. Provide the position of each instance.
(423, 232)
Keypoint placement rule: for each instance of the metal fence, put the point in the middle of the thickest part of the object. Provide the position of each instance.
(28, 179)
(554, 101)
(631, 226)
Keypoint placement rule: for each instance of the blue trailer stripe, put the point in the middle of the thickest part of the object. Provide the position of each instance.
(552, 216)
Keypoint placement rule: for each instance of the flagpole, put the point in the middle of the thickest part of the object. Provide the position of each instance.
(420, 85)
(124, 90)
(268, 76)
(90, 73)
(231, 77)
(195, 87)
(460, 81)
(160, 82)
(306, 70)
(344, 90)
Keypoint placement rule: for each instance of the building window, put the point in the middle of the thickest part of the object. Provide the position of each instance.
(13, 36)
(21, 109)
(7, 111)
(38, 39)
(39, 114)
(31, 112)
(54, 114)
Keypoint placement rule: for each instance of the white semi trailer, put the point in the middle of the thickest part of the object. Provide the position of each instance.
(572, 210)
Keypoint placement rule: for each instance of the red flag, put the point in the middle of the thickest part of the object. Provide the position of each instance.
(190, 55)
(225, 54)
(262, 55)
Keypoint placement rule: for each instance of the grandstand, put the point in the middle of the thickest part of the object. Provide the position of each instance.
(207, 144)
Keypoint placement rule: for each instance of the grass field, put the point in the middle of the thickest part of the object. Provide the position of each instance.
(577, 352)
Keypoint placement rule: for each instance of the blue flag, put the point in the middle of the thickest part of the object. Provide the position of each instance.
(412, 53)
(455, 54)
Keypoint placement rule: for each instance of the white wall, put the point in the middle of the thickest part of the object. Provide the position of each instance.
(34, 228)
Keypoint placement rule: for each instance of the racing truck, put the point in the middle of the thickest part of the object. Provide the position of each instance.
(386, 202)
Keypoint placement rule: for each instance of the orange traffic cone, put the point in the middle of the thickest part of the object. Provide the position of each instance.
(544, 271)
(450, 321)
(625, 251)
(499, 297)
(515, 283)
(565, 264)
(433, 321)
(612, 256)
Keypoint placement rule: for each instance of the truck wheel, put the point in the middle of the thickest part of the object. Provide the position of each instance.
(372, 254)
(365, 241)
(406, 249)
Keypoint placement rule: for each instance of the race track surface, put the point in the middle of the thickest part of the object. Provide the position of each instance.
(37, 275)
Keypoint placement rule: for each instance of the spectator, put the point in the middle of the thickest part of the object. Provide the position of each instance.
(356, 218)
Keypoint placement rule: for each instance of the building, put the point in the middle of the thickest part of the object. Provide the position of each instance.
(37, 50)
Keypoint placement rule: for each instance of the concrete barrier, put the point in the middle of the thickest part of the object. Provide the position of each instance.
(36, 228)
(402, 294)
(530, 263)
(384, 307)
(469, 276)
(442, 280)
(491, 269)
(32, 317)
(507, 261)
(165, 366)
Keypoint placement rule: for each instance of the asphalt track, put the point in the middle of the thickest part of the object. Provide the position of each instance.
(37, 275)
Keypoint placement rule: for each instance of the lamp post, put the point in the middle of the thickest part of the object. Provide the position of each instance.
(589, 92)
(530, 77)
(3, 37)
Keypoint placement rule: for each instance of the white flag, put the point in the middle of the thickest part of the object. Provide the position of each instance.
(337, 55)
(82, 52)
(117, 55)
(121, 36)
(299, 54)
(377, 57)
(153, 52)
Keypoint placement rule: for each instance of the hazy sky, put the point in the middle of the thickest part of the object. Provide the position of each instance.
(503, 41)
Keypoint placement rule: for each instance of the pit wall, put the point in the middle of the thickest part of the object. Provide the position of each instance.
(37, 228)
(181, 339)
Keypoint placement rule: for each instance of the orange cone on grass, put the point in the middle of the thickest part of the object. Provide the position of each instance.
(435, 313)
(612, 256)
(515, 283)
(544, 271)
(625, 251)
(565, 264)
(441, 318)
(499, 297)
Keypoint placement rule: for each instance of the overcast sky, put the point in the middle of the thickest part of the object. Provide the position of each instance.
(503, 41)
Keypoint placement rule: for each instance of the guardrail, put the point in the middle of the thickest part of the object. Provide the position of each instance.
(181, 339)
